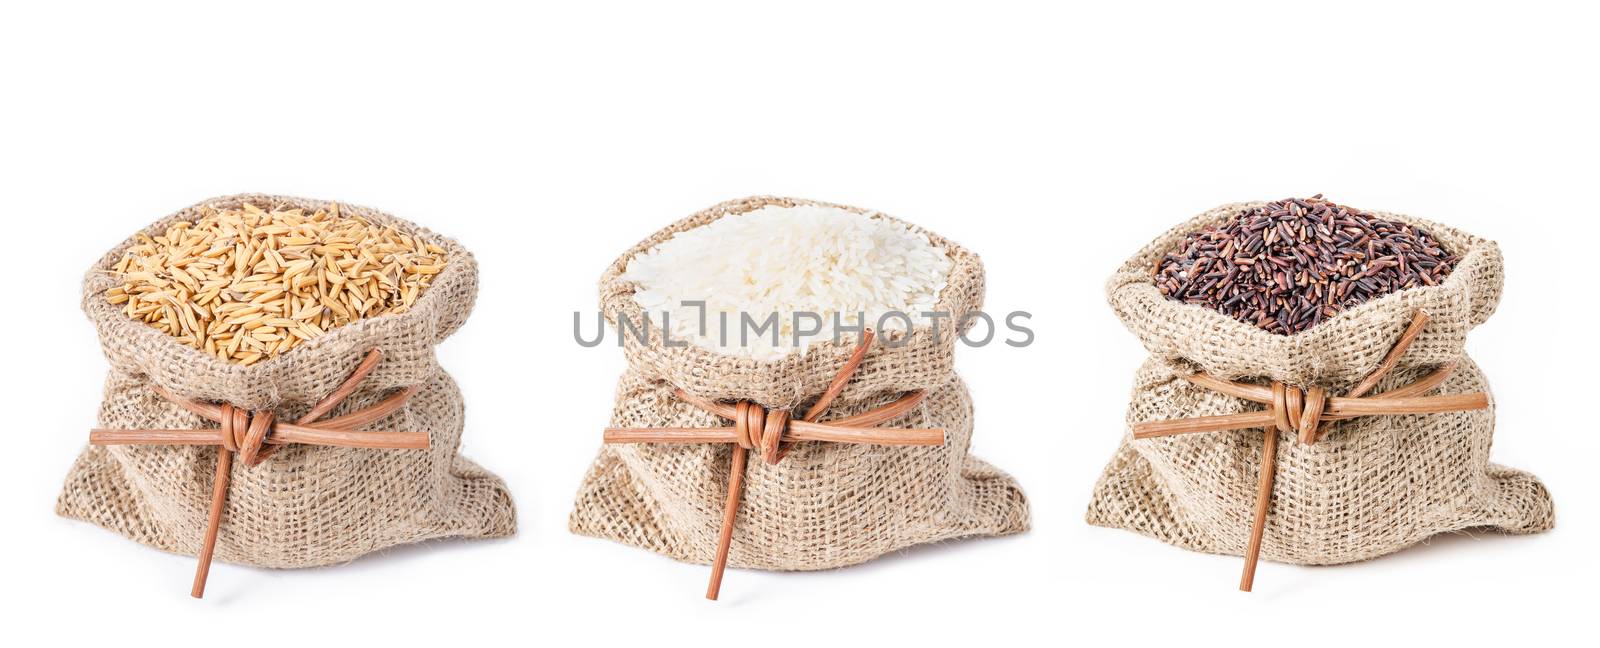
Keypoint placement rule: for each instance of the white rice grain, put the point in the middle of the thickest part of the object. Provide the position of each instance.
(784, 260)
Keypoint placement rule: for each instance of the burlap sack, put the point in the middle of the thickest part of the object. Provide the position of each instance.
(826, 505)
(1372, 485)
(304, 506)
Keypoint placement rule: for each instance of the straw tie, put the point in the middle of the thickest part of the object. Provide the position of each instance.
(1308, 413)
(255, 435)
(771, 433)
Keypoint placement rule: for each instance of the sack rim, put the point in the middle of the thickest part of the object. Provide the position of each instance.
(112, 324)
(1229, 348)
(1119, 284)
(615, 291)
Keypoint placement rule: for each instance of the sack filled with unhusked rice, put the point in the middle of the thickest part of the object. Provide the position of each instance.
(1342, 334)
(806, 504)
(227, 324)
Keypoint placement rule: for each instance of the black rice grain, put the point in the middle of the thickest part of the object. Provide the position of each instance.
(1288, 265)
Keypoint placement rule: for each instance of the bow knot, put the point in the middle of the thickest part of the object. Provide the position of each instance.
(754, 428)
(1298, 411)
(255, 434)
(1306, 413)
(766, 431)
(245, 432)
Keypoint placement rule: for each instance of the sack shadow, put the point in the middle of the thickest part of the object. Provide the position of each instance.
(1437, 549)
(232, 583)
(882, 567)
(1449, 544)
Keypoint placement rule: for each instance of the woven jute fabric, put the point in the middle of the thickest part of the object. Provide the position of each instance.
(1371, 485)
(305, 505)
(825, 505)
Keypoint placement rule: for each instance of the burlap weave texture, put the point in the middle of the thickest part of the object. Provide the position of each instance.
(304, 506)
(1372, 485)
(826, 505)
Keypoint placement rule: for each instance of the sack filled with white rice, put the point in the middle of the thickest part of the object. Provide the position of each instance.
(823, 504)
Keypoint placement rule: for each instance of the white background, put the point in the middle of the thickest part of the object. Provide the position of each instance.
(550, 140)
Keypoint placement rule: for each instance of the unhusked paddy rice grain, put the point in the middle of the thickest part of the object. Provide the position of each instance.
(244, 283)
